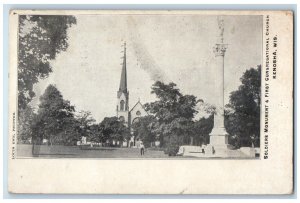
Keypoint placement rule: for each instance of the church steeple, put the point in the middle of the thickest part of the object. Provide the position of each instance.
(123, 94)
(123, 81)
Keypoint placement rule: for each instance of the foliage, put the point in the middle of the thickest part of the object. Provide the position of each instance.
(243, 114)
(202, 129)
(84, 121)
(71, 131)
(95, 133)
(54, 118)
(41, 38)
(144, 129)
(174, 142)
(113, 129)
(171, 103)
(25, 120)
(174, 113)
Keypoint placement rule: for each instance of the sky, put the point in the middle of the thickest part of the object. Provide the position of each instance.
(170, 48)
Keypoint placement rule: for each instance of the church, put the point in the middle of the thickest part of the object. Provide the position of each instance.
(124, 113)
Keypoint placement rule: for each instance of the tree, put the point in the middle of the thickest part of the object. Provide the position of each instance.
(113, 129)
(71, 131)
(202, 128)
(26, 117)
(171, 103)
(95, 133)
(54, 115)
(243, 113)
(174, 113)
(84, 121)
(144, 129)
(41, 38)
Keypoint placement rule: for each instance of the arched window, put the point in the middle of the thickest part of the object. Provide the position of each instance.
(122, 105)
(135, 120)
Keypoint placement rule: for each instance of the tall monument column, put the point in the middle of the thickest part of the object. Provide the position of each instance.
(219, 136)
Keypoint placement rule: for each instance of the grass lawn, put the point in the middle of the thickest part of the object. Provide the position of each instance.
(59, 151)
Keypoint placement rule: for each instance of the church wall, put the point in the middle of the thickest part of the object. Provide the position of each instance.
(134, 112)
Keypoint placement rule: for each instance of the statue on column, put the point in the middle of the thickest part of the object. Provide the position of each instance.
(219, 137)
(221, 28)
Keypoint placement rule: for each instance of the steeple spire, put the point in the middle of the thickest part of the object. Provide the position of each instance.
(123, 81)
(123, 94)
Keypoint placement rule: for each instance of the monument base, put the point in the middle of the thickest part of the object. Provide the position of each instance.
(217, 150)
(218, 131)
(218, 140)
(218, 143)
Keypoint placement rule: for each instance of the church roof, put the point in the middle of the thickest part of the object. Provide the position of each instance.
(123, 81)
(138, 103)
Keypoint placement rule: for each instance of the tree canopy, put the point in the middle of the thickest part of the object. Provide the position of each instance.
(84, 122)
(144, 129)
(53, 117)
(56, 121)
(243, 114)
(174, 113)
(26, 118)
(201, 130)
(171, 104)
(41, 38)
(113, 129)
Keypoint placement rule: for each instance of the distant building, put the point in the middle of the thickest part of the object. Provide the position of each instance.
(124, 113)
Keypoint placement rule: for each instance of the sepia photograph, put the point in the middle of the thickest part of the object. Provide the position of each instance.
(139, 86)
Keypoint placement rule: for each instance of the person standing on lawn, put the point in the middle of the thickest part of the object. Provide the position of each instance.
(142, 148)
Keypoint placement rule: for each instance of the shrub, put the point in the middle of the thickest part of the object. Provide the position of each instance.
(173, 143)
